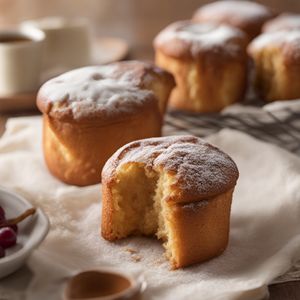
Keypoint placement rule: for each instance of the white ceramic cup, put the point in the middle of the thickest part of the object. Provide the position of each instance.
(67, 44)
(20, 60)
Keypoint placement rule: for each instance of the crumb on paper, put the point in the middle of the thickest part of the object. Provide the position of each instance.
(159, 262)
(131, 251)
(133, 254)
(136, 258)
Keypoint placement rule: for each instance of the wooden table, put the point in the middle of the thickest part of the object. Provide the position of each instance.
(138, 21)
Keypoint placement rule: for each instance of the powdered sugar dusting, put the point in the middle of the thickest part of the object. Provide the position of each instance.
(91, 89)
(202, 36)
(244, 10)
(200, 168)
(278, 39)
(283, 22)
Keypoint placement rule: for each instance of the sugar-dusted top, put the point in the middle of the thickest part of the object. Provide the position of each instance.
(186, 38)
(245, 15)
(240, 10)
(289, 44)
(286, 21)
(112, 91)
(200, 170)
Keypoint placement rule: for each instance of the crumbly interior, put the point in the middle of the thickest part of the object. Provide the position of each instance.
(140, 207)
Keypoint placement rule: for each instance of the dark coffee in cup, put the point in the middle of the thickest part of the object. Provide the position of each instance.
(14, 39)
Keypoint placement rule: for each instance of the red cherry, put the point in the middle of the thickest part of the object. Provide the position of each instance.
(8, 237)
(14, 227)
(2, 252)
(2, 213)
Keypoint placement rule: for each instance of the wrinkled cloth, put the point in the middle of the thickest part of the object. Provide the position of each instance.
(264, 232)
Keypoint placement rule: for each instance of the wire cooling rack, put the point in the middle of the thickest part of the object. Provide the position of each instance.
(280, 127)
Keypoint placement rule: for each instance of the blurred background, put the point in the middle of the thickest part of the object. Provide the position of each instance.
(138, 21)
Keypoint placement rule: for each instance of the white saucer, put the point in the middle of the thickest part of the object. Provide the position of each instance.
(109, 49)
(31, 233)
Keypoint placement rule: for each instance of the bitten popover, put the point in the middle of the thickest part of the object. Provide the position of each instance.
(286, 21)
(276, 57)
(245, 15)
(178, 188)
(208, 61)
(90, 112)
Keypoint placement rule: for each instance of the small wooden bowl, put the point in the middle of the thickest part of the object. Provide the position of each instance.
(103, 285)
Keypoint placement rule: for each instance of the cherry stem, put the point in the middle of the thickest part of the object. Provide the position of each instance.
(19, 218)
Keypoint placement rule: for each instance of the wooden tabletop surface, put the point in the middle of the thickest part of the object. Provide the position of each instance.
(138, 21)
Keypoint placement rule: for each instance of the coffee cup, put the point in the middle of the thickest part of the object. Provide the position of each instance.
(67, 42)
(20, 60)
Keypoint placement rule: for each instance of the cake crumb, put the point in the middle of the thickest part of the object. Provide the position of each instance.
(130, 250)
(159, 261)
(133, 254)
(136, 258)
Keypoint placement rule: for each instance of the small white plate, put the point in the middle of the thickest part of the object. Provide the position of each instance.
(31, 231)
(106, 50)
